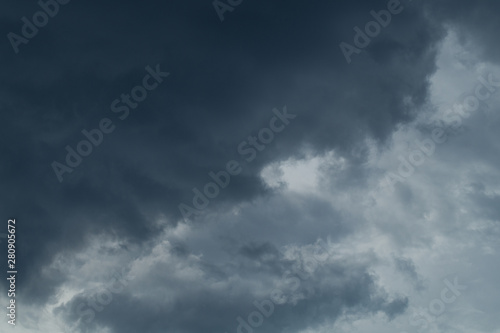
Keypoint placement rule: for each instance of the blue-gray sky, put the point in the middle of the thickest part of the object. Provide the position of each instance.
(357, 212)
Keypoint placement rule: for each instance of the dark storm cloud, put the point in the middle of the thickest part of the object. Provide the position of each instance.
(225, 80)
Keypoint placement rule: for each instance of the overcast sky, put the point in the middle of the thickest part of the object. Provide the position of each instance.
(251, 166)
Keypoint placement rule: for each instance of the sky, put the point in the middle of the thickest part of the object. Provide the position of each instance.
(251, 166)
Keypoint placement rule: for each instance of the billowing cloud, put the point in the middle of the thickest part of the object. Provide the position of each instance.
(310, 223)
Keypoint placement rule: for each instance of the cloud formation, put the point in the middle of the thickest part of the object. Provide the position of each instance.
(108, 250)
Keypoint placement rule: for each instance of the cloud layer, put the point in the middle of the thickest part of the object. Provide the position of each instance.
(310, 225)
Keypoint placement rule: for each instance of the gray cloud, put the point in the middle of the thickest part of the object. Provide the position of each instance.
(225, 79)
